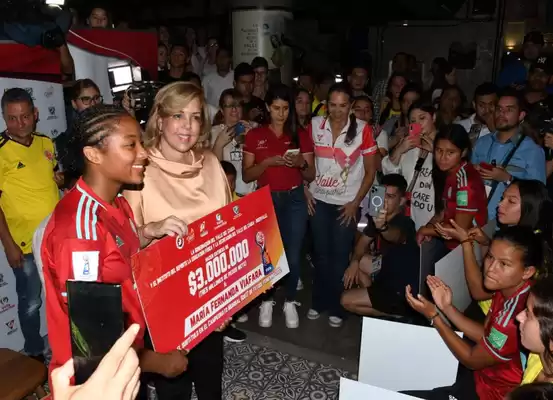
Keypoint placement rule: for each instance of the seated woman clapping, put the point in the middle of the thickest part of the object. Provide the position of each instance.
(515, 256)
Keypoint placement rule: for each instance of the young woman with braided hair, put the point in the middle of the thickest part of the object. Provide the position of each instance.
(91, 235)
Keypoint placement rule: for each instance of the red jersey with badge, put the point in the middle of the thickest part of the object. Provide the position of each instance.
(263, 143)
(464, 192)
(501, 340)
(90, 240)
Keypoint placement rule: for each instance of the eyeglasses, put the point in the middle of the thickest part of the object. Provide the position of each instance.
(88, 99)
(232, 105)
(214, 44)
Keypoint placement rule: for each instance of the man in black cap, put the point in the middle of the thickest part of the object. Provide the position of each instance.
(539, 77)
(515, 72)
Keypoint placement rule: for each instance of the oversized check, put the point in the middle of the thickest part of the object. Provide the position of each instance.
(189, 286)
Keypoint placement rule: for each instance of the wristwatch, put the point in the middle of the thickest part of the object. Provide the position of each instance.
(304, 166)
(509, 181)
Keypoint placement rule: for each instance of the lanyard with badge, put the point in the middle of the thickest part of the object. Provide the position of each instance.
(490, 189)
(376, 258)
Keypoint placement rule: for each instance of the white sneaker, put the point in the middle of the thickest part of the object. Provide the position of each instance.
(242, 319)
(335, 322)
(313, 314)
(300, 285)
(266, 314)
(291, 314)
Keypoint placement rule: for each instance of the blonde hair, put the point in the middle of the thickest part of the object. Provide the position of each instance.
(170, 100)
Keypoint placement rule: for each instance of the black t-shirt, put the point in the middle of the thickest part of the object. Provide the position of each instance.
(544, 106)
(400, 262)
(163, 76)
(255, 103)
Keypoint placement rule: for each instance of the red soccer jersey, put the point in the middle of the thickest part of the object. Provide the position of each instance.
(464, 192)
(263, 143)
(87, 239)
(501, 340)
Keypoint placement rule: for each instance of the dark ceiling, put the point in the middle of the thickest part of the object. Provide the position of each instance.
(358, 11)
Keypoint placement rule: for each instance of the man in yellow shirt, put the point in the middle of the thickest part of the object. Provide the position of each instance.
(28, 194)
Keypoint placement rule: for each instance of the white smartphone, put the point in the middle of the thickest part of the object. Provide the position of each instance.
(376, 202)
(292, 152)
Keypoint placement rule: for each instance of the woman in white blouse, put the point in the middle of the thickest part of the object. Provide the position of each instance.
(412, 158)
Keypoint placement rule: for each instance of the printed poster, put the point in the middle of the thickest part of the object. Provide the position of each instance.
(189, 286)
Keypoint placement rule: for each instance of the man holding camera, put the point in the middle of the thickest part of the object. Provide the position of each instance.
(385, 259)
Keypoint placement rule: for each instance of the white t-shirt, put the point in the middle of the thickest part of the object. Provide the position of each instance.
(340, 167)
(232, 153)
(382, 140)
(212, 112)
(38, 236)
(214, 84)
(467, 123)
(422, 196)
(208, 69)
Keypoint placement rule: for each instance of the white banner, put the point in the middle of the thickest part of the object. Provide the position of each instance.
(10, 329)
(353, 390)
(252, 31)
(93, 66)
(451, 270)
(48, 99)
(384, 343)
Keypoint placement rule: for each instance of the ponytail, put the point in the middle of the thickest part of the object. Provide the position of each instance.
(352, 130)
(533, 245)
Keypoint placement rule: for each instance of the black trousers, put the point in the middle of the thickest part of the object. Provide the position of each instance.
(205, 372)
(463, 389)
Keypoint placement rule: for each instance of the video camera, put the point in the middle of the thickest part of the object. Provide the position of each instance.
(126, 78)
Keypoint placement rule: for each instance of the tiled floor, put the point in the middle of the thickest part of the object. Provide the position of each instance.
(255, 372)
(315, 335)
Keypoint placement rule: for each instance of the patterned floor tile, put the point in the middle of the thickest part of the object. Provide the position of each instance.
(241, 392)
(315, 391)
(328, 376)
(269, 395)
(299, 366)
(289, 386)
(255, 377)
(270, 359)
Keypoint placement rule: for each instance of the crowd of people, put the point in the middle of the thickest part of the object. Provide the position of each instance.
(104, 189)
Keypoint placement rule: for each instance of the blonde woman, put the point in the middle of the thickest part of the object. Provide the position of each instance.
(187, 181)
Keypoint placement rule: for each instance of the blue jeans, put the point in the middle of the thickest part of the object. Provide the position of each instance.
(333, 244)
(28, 287)
(291, 212)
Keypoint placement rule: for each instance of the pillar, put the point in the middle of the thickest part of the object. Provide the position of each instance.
(257, 28)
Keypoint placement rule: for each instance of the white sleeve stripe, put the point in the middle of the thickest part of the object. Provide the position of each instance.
(370, 150)
(467, 209)
(94, 220)
(86, 220)
(79, 217)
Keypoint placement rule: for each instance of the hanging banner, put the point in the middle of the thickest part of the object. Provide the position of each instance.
(10, 329)
(257, 33)
(189, 286)
(48, 99)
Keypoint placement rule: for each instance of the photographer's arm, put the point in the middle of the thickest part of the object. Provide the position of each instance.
(67, 63)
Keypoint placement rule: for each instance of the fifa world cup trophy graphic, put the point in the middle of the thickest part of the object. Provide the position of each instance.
(267, 264)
